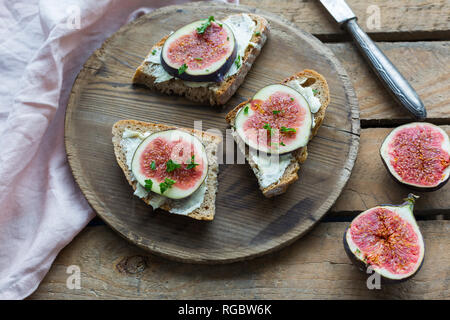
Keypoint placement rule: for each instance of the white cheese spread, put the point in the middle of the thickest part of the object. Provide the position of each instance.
(306, 92)
(243, 28)
(270, 167)
(130, 141)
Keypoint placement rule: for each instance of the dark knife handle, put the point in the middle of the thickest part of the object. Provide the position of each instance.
(386, 71)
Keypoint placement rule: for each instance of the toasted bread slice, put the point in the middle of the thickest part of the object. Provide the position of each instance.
(211, 142)
(315, 81)
(215, 94)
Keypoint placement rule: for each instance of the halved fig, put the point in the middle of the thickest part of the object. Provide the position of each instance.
(388, 239)
(172, 163)
(418, 155)
(203, 51)
(277, 120)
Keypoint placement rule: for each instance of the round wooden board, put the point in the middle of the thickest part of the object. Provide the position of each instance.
(246, 223)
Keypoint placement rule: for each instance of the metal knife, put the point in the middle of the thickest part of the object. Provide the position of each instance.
(382, 66)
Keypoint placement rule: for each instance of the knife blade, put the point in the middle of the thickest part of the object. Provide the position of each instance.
(339, 9)
(392, 79)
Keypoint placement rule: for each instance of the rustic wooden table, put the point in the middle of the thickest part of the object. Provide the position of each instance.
(414, 34)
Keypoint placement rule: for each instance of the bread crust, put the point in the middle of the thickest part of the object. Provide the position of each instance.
(214, 95)
(290, 175)
(207, 209)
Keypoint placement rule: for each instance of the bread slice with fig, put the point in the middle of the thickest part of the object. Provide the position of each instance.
(267, 114)
(178, 64)
(131, 136)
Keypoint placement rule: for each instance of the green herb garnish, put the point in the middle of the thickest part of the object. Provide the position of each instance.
(198, 59)
(220, 25)
(192, 164)
(182, 69)
(154, 52)
(163, 186)
(153, 165)
(257, 33)
(287, 130)
(205, 25)
(246, 110)
(282, 143)
(171, 166)
(315, 91)
(237, 62)
(292, 99)
(276, 111)
(268, 128)
(228, 38)
(148, 185)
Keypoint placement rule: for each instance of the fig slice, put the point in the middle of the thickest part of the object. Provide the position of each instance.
(418, 155)
(202, 51)
(277, 120)
(172, 163)
(388, 239)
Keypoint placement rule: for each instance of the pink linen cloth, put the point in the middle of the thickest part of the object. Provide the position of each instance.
(43, 45)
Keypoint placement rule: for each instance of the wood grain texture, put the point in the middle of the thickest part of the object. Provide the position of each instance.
(314, 268)
(399, 20)
(246, 224)
(423, 64)
(370, 183)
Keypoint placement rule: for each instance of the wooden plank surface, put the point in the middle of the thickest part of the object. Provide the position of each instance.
(314, 268)
(423, 64)
(399, 20)
(371, 185)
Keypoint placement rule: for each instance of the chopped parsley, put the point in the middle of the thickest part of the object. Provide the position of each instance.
(198, 59)
(228, 38)
(171, 166)
(154, 52)
(288, 130)
(148, 185)
(282, 143)
(153, 165)
(315, 91)
(246, 110)
(237, 62)
(182, 69)
(205, 25)
(220, 25)
(257, 33)
(163, 186)
(292, 99)
(268, 128)
(276, 111)
(192, 165)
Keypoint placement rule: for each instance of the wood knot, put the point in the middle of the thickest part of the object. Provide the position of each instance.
(132, 265)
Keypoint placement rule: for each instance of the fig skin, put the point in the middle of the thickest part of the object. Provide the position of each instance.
(363, 266)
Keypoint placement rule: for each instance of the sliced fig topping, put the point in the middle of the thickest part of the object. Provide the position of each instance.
(172, 163)
(201, 51)
(277, 120)
(388, 239)
(418, 155)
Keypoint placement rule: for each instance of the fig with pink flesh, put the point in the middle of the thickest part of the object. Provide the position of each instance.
(388, 239)
(418, 155)
(172, 163)
(277, 120)
(201, 51)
